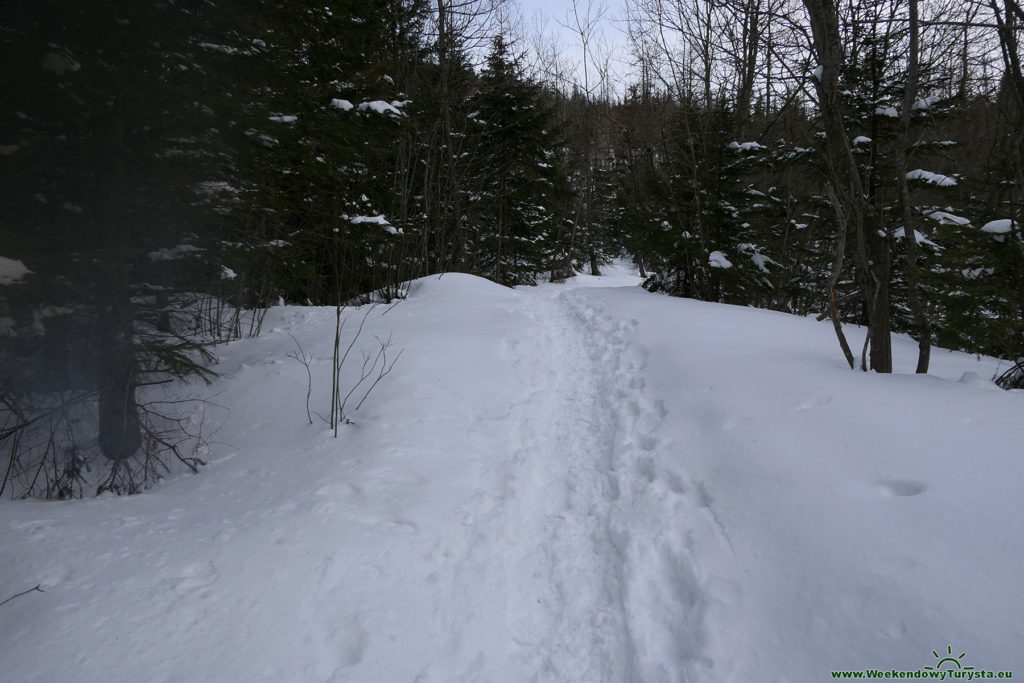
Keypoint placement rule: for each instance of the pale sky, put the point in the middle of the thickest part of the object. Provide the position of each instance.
(608, 39)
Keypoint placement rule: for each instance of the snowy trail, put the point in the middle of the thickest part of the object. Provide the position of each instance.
(571, 555)
(607, 518)
(584, 483)
(566, 431)
(515, 515)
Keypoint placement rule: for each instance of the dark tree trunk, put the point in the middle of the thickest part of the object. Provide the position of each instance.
(917, 308)
(120, 435)
(163, 315)
(837, 269)
(872, 249)
(120, 432)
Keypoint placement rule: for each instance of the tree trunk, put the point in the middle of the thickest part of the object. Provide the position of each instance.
(917, 308)
(872, 249)
(120, 435)
(837, 269)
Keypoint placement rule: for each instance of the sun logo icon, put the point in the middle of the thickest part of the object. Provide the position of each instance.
(950, 659)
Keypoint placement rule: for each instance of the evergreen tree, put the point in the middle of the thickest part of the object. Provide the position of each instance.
(110, 159)
(519, 173)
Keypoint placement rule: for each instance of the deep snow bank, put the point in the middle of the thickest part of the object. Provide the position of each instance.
(865, 520)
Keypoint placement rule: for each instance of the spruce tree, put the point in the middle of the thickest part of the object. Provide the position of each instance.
(519, 178)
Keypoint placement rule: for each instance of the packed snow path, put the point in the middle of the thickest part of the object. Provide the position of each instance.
(573, 484)
(597, 519)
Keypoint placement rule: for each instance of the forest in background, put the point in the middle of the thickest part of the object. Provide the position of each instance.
(173, 168)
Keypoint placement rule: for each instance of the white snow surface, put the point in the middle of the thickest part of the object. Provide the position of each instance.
(376, 220)
(12, 271)
(931, 178)
(381, 107)
(920, 238)
(762, 262)
(583, 483)
(946, 218)
(998, 227)
(925, 102)
(751, 146)
(717, 259)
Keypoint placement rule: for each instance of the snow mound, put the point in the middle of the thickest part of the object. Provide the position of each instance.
(460, 285)
(975, 380)
(998, 227)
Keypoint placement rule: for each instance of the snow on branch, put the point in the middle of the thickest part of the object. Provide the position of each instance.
(717, 259)
(12, 270)
(376, 220)
(931, 178)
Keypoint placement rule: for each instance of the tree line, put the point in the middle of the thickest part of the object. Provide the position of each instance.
(171, 169)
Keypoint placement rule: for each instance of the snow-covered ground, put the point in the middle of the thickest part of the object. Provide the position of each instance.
(581, 482)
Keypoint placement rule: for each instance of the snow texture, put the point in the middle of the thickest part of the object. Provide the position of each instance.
(12, 271)
(931, 178)
(901, 233)
(762, 262)
(173, 253)
(717, 259)
(381, 107)
(889, 112)
(998, 227)
(745, 146)
(946, 218)
(343, 105)
(578, 483)
(224, 49)
(376, 220)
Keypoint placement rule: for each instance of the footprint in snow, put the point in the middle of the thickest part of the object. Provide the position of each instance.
(901, 488)
(645, 469)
